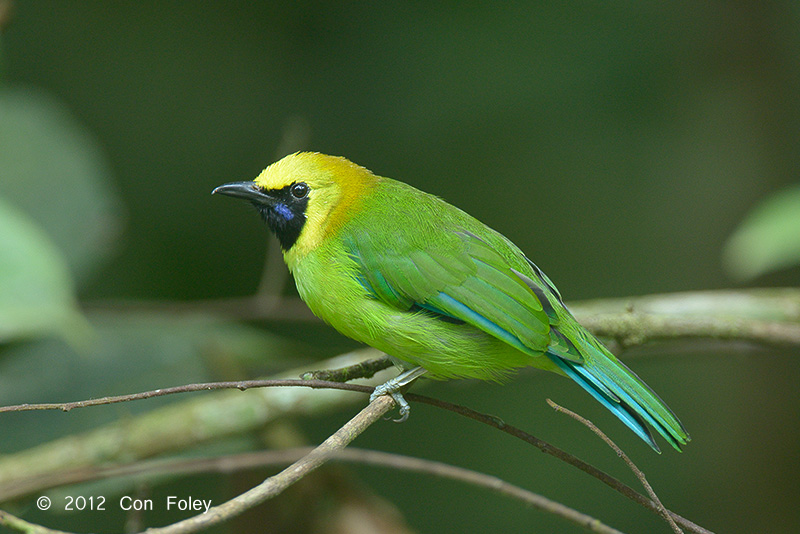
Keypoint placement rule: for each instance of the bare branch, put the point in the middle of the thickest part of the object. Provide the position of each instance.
(25, 484)
(562, 455)
(325, 379)
(181, 425)
(241, 385)
(274, 485)
(365, 369)
(271, 487)
(764, 316)
(231, 463)
(37, 479)
(633, 467)
(767, 316)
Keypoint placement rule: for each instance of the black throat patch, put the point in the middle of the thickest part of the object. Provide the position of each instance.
(286, 216)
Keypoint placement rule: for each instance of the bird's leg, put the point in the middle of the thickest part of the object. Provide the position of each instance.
(393, 386)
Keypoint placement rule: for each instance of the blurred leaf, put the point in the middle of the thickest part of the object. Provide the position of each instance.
(131, 352)
(139, 351)
(53, 168)
(36, 293)
(768, 238)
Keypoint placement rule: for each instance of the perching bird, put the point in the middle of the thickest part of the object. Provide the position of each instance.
(409, 274)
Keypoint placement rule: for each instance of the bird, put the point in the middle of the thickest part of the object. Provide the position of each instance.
(440, 292)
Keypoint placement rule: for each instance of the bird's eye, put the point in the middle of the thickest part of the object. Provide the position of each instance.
(299, 190)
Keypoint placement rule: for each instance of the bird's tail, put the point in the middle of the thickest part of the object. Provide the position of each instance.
(619, 389)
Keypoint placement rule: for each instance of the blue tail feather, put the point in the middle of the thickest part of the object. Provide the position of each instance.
(641, 410)
(615, 404)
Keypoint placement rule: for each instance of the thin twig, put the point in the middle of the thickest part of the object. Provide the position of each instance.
(206, 386)
(478, 479)
(467, 412)
(271, 487)
(232, 463)
(274, 485)
(562, 455)
(365, 369)
(633, 467)
(325, 379)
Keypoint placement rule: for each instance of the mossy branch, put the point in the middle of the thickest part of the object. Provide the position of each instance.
(763, 316)
(28, 484)
(769, 317)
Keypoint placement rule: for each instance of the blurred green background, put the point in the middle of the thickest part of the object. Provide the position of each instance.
(620, 144)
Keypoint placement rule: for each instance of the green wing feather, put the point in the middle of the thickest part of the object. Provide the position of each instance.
(465, 272)
(459, 277)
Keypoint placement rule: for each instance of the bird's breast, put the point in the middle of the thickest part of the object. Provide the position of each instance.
(327, 280)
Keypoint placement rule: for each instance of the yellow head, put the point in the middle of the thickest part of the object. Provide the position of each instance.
(304, 197)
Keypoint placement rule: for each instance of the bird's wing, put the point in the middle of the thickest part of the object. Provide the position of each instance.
(460, 277)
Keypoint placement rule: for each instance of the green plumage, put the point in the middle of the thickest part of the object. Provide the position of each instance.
(421, 280)
(397, 282)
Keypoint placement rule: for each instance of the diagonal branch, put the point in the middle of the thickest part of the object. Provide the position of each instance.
(237, 462)
(633, 467)
(271, 487)
(304, 461)
(274, 485)
(24, 485)
(562, 455)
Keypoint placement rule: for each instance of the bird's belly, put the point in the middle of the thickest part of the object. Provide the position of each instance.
(445, 349)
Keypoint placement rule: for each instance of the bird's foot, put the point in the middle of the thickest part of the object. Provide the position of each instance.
(393, 388)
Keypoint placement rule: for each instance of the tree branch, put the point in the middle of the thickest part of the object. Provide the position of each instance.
(765, 316)
(562, 455)
(770, 316)
(241, 385)
(274, 485)
(365, 369)
(231, 463)
(271, 487)
(662, 510)
(182, 425)
(34, 471)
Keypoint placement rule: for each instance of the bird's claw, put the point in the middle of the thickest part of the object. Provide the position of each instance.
(398, 398)
(402, 403)
(393, 389)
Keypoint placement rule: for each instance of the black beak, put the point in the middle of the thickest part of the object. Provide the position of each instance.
(246, 190)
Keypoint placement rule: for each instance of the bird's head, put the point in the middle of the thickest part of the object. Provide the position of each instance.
(304, 196)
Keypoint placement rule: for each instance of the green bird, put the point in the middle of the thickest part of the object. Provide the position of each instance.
(417, 278)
